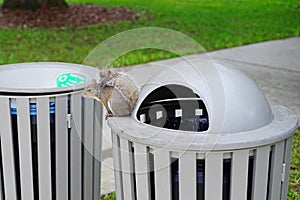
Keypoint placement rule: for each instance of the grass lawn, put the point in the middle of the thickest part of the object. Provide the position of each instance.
(215, 24)
(294, 190)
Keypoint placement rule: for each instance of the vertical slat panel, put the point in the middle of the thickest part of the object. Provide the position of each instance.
(162, 170)
(44, 151)
(1, 185)
(76, 144)
(142, 170)
(61, 147)
(187, 176)
(117, 166)
(276, 171)
(25, 150)
(98, 133)
(239, 175)
(213, 176)
(287, 161)
(127, 169)
(9, 176)
(260, 173)
(88, 131)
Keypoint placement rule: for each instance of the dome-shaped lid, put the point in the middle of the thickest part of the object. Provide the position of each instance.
(238, 113)
(233, 101)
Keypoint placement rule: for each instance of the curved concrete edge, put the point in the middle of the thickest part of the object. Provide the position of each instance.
(283, 126)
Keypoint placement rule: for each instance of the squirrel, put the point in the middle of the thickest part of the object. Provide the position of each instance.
(115, 90)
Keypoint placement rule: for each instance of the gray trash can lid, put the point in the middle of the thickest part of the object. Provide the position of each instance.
(45, 77)
(246, 107)
(248, 122)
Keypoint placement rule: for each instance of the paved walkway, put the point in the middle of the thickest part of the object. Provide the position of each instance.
(274, 66)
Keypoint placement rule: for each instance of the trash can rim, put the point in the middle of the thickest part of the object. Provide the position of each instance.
(283, 126)
(89, 72)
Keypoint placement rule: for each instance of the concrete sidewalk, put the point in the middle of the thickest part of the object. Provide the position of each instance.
(273, 65)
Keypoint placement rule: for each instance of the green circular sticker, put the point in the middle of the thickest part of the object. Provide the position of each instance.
(69, 79)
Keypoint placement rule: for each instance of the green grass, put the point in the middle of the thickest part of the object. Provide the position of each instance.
(215, 24)
(294, 185)
(111, 196)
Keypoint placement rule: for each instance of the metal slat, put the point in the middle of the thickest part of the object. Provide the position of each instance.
(142, 170)
(187, 176)
(98, 133)
(8, 163)
(1, 185)
(276, 171)
(76, 148)
(287, 161)
(61, 147)
(162, 170)
(260, 173)
(117, 166)
(25, 151)
(44, 149)
(213, 176)
(127, 169)
(88, 130)
(239, 175)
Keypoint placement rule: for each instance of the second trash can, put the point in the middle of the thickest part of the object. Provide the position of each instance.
(50, 135)
(166, 150)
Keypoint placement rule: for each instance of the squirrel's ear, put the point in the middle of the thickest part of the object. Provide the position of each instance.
(94, 81)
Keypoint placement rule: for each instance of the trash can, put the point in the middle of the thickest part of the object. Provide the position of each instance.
(167, 149)
(50, 135)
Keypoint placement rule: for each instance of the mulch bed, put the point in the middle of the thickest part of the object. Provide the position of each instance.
(73, 15)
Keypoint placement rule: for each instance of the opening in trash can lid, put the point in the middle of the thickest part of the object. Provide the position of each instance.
(45, 77)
